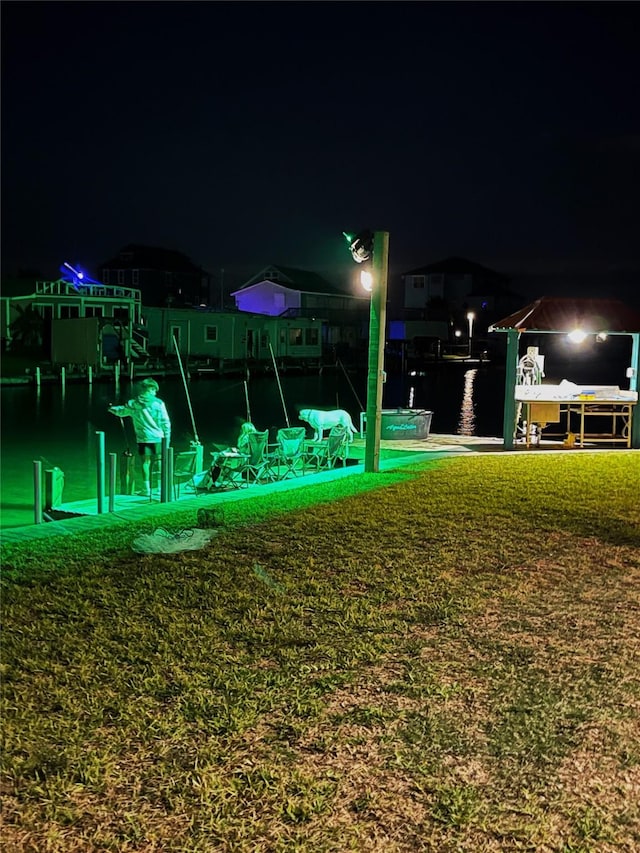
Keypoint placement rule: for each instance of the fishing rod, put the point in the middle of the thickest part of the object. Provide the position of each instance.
(350, 383)
(275, 367)
(186, 391)
(246, 396)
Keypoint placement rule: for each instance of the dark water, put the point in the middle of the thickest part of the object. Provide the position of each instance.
(59, 428)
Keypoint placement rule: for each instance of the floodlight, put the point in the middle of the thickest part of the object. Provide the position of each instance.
(366, 280)
(360, 245)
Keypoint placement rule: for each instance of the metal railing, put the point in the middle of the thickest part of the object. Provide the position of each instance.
(104, 291)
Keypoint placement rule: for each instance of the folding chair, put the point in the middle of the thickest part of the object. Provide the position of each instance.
(241, 469)
(184, 470)
(288, 457)
(232, 467)
(327, 453)
(258, 465)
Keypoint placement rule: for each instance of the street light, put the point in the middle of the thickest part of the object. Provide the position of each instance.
(470, 317)
(363, 247)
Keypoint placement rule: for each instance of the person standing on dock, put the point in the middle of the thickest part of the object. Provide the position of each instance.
(151, 424)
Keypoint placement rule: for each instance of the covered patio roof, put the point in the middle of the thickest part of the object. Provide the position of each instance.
(563, 315)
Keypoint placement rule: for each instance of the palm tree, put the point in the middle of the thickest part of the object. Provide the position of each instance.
(26, 329)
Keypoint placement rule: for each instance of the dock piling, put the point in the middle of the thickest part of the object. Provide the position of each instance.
(164, 472)
(113, 464)
(169, 482)
(100, 466)
(37, 491)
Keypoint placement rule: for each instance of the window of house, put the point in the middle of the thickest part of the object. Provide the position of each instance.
(264, 340)
(135, 277)
(211, 334)
(283, 336)
(94, 311)
(295, 337)
(45, 311)
(68, 312)
(311, 337)
(105, 276)
(120, 312)
(120, 276)
(418, 282)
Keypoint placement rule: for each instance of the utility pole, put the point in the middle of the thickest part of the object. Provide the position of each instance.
(375, 247)
(377, 337)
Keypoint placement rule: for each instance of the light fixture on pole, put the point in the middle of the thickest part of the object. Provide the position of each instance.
(366, 280)
(363, 247)
(470, 317)
(360, 245)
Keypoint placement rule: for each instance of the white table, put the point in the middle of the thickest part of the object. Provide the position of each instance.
(546, 404)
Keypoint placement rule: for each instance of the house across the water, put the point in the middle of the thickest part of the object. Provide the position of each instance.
(226, 340)
(90, 325)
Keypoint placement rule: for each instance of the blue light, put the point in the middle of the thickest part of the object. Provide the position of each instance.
(76, 277)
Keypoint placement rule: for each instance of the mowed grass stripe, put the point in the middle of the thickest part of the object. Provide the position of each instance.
(443, 658)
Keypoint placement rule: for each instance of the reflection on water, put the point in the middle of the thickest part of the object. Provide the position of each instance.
(58, 426)
(467, 421)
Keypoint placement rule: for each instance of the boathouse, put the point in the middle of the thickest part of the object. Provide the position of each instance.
(48, 310)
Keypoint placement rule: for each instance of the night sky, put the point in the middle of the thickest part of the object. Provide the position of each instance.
(244, 134)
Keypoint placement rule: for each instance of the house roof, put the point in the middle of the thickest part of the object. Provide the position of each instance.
(294, 279)
(564, 315)
(457, 266)
(136, 256)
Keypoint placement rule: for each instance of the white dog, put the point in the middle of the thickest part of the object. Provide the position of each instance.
(320, 421)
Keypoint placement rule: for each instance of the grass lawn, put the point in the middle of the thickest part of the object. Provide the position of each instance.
(441, 658)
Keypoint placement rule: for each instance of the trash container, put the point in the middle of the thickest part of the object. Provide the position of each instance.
(403, 424)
